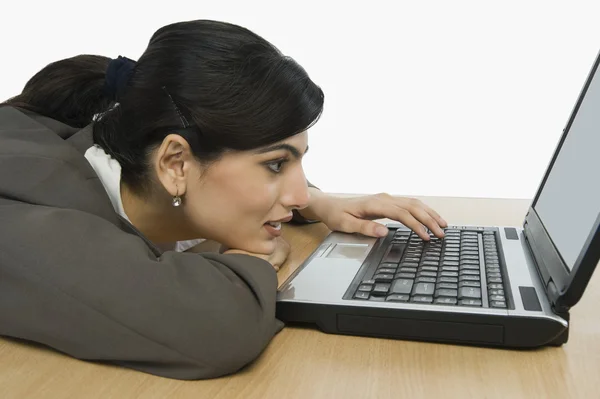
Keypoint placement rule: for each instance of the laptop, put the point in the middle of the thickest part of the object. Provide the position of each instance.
(499, 286)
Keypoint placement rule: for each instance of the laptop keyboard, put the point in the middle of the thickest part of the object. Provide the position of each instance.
(462, 269)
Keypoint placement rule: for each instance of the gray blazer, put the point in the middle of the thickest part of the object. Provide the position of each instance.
(78, 278)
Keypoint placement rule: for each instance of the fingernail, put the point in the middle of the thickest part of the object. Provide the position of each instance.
(381, 231)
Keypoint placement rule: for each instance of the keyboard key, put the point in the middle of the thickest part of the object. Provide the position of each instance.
(449, 274)
(469, 284)
(469, 272)
(424, 289)
(449, 268)
(406, 275)
(496, 292)
(448, 280)
(470, 302)
(494, 275)
(397, 298)
(498, 304)
(365, 288)
(445, 301)
(414, 251)
(422, 299)
(368, 282)
(409, 264)
(427, 274)
(495, 286)
(469, 257)
(469, 293)
(401, 286)
(386, 271)
(430, 263)
(469, 262)
(412, 259)
(429, 269)
(362, 295)
(497, 298)
(449, 263)
(383, 278)
(425, 280)
(446, 292)
(450, 286)
(469, 278)
(470, 267)
(380, 289)
(408, 269)
(495, 280)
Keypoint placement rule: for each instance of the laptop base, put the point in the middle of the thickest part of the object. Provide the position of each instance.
(442, 327)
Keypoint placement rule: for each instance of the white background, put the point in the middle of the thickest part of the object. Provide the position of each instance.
(451, 98)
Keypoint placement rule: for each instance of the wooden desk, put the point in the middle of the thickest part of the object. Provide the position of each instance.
(305, 363)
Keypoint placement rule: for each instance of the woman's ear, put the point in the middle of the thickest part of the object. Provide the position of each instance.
(173, 161)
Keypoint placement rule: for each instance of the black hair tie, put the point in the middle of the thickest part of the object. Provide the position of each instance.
(118, 73)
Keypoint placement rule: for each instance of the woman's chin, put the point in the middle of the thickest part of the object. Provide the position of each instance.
(255, 245)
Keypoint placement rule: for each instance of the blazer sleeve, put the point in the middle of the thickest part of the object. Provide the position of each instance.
(297, 218)
(78, 283)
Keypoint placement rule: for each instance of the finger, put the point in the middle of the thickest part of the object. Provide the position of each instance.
(407, 219)
(368, 228)
(391, 210)
(427, 220)
(441, 222)
(372, 229)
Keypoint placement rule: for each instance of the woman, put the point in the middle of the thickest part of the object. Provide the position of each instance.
(202, 137)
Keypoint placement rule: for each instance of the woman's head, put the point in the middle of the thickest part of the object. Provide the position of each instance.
(198, 118)
(70, 91)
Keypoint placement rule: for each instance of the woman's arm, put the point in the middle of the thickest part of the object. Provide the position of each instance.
(79, 284)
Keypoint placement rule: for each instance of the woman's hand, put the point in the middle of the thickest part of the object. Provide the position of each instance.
(355, 215)
(276, 259)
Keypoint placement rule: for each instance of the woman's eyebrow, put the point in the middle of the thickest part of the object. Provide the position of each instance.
(293, 150)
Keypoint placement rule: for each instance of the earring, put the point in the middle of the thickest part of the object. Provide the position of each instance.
(176, 199)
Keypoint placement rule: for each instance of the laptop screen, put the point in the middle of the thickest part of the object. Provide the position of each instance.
(569, 203)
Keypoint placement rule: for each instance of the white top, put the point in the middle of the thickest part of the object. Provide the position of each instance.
(109, 172)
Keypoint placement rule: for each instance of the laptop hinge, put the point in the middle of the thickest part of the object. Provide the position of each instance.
(549, 264)
(554, 298)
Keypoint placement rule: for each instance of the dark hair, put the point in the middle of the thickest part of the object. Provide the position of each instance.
(235, 89)
(69, 90)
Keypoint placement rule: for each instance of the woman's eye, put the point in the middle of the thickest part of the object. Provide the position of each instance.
(276, 166)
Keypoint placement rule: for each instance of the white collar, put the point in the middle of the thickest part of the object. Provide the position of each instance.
(108, 170)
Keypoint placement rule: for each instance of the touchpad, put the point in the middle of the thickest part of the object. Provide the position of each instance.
(348, 251)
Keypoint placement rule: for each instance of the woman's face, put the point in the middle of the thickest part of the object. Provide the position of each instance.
(241, 199)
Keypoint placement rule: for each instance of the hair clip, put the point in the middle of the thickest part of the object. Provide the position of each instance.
(184, 121)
